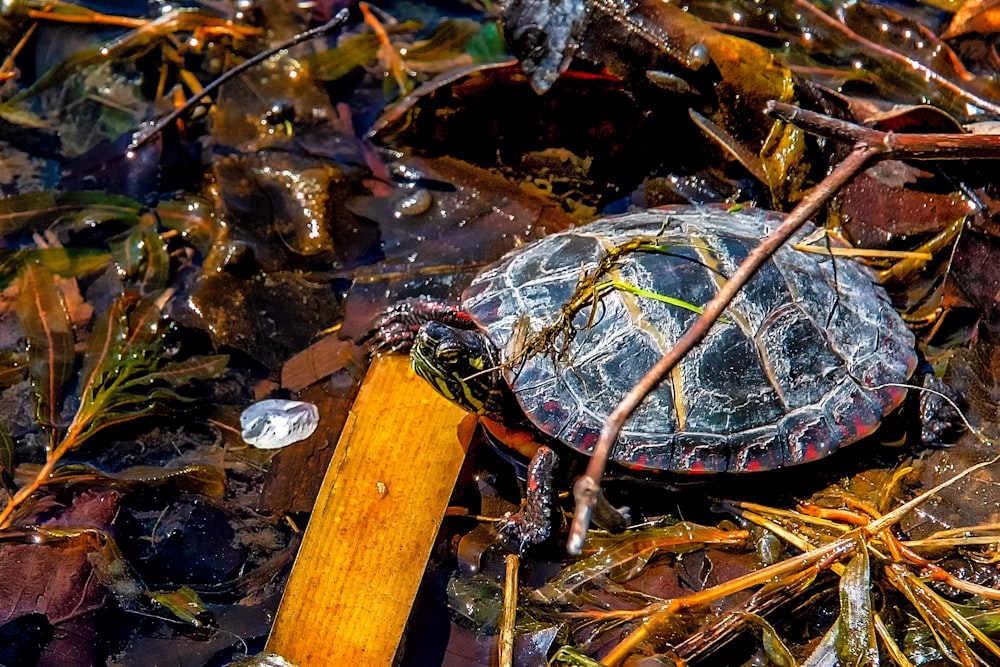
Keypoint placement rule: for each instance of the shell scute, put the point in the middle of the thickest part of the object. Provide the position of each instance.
(807, 434)
(601, 377)
(728, 390)
(852, 410)
(753, 303)
(803, 369)
(699, 452)
(754, 450)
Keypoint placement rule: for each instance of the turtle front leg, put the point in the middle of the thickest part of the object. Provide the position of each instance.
(533, 523)
(396, 328)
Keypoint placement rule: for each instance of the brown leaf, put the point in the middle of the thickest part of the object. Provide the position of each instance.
(981, 16)
(56, 579)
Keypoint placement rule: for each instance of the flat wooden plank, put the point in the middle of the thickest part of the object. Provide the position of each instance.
(372, 528)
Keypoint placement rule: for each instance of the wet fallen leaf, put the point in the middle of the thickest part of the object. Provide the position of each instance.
(55, 580)
(979, 16)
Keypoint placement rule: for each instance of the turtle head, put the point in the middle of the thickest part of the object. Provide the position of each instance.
(460, 364)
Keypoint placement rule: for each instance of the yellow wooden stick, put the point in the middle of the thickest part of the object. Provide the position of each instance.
(373, 525)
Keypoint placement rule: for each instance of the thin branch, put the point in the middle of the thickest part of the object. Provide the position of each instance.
(906, 146)
(142, 136)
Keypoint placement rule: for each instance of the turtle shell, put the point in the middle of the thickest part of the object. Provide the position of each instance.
(796, 368)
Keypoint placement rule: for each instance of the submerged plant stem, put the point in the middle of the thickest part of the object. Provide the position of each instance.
(831, 553)
(41, 478)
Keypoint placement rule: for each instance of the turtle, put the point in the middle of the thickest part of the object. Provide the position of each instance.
(808, 358)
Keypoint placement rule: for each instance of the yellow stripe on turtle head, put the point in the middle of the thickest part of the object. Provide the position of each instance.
(443, 388)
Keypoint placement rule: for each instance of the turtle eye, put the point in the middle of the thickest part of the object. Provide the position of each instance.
(448, 354)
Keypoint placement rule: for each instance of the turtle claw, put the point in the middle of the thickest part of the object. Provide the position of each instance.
(389, 337)
(609, 517)
(397, 327)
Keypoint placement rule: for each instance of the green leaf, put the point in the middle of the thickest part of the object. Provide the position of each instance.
(17, 115)
(185, 604)
(785, 161)
(825, 653)
(142, 254)
(157, 262)
(146, 329)
(178, 373)
(447, 42)
(856, 645)
(47, 328)
(36, 211)
(572, 658)
(194, 219)
(13, 366)
(355, 51)
(196, 478)
(108, 418)
(104, 349)
(114, 573)
(647, 294)
(125, 374)
(774, 647)
(6, 457)
(66, 262)
(487, 45)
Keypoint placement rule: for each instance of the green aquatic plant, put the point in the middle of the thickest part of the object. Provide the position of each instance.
(125, 374)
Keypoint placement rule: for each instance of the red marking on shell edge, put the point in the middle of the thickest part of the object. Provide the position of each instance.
(754, 466)
(862, 429)
(895, 396)
(810, 453)
(698, 467)
(523, 442)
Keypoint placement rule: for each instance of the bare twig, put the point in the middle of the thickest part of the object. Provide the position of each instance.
(505, 650)
(915, 146)
(144, 135)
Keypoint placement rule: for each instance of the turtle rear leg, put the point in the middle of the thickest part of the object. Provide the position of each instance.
(939, 418)
(396, 328)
